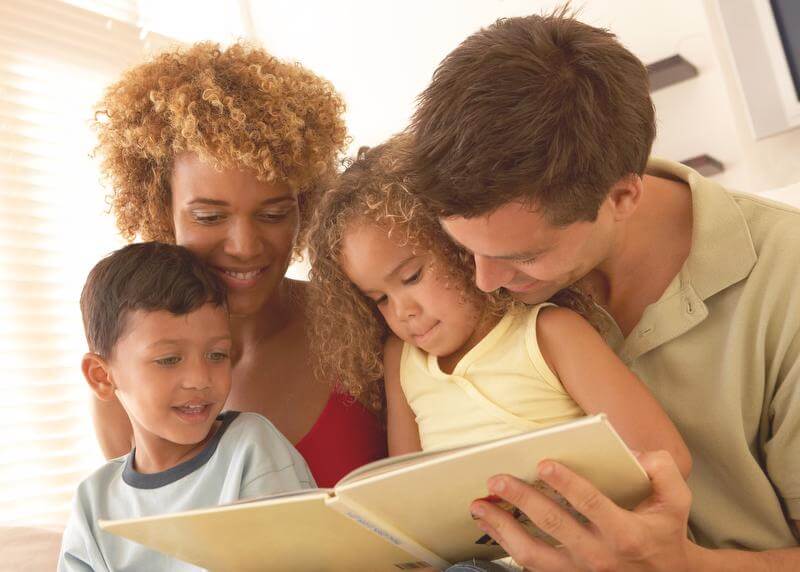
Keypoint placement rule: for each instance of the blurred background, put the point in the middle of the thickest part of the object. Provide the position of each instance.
(56, 56)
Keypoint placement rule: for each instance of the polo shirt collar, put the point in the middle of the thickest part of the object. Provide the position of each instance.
(722, 251)
(722, 254)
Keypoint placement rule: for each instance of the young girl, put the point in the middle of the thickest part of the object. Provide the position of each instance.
(393, 298)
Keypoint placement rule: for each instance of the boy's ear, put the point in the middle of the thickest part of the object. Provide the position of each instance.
(95, 370)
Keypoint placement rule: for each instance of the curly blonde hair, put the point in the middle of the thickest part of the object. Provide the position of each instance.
(237, 107)
(346, 330)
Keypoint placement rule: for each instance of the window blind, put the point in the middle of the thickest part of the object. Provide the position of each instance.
(55, 59)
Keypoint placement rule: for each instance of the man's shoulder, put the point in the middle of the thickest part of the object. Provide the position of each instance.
(774, 226)
(764, 208)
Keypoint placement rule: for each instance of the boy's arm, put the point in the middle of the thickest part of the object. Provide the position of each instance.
(598, 381)
(112, 427)
(401, 422)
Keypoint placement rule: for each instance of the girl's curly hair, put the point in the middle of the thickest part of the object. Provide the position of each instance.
(346, 331)
(237, 107)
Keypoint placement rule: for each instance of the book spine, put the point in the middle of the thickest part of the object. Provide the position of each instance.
(368, 520)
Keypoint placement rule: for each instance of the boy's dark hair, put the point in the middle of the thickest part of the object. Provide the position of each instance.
(544, 109)
(148, 276)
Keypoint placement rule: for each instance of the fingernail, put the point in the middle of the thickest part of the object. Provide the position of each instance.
(637, 454)
(477, 511)
(497, 486)
(546, 469)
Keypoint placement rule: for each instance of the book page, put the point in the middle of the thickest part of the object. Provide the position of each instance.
(429, 500)
(294, 534)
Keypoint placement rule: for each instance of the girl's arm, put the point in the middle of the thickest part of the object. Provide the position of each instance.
(598, 381)
(112, 426)
(401, 422)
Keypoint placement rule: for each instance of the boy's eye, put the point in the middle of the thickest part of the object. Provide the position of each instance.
(217, 356)
(167, 361)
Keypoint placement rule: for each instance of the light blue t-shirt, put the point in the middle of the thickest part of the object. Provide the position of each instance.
(247, 457)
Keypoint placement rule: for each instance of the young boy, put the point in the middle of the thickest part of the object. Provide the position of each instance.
(157, 327)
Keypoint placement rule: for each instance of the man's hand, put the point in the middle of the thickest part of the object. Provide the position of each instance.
(652, 537)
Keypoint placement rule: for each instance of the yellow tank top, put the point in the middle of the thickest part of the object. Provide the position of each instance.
(501, 387)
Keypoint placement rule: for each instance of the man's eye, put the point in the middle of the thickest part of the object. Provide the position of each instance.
(167, 361)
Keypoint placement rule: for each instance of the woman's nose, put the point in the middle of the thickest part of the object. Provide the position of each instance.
(243, 240)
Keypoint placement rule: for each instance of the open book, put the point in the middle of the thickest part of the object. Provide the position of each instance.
(401, 513)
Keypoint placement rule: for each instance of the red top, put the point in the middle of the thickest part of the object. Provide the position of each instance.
(345, 436)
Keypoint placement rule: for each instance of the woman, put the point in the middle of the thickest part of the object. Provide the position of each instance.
(219, 150)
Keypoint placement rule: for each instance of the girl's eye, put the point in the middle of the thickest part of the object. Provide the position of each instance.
(217, 356)
(380, 301)
(168, 361)
(528, 260)
(414, 278)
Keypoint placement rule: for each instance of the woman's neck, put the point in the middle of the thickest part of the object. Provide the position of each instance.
(275, 316)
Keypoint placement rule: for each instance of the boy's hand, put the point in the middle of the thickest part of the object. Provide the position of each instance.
(652, 537)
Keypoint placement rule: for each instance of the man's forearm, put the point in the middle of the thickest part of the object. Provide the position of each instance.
(706, 560)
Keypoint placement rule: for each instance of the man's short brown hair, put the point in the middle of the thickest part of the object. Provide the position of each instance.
(544, 109)
(148, 276)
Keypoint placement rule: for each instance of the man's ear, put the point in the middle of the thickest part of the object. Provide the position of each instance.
(625, 196)
(95, 370)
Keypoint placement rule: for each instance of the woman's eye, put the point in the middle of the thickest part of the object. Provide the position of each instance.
(380, 301)
(207, 218)
(217, 356)
(168, 361)
(414, 278)
(273, 216)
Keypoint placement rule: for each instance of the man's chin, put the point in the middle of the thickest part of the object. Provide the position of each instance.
(536, 296)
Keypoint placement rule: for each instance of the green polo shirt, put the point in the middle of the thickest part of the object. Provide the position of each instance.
(721, 352)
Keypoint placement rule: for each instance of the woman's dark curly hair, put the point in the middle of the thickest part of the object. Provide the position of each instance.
(237, 107)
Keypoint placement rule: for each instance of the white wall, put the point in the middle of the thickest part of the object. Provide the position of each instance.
(381, 54)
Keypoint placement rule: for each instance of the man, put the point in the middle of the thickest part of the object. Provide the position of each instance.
(532, 143)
